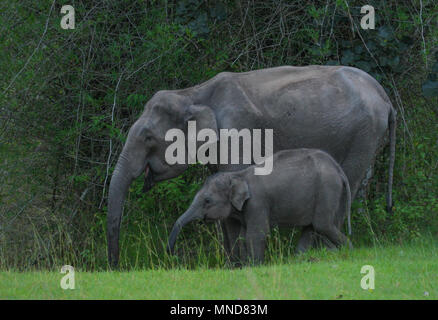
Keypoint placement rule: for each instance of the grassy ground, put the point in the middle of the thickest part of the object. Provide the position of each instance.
(401, 272)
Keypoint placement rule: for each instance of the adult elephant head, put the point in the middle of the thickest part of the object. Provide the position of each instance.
(144, 151)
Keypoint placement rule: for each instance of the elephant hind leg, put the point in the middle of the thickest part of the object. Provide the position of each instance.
(333, 234)
(341, 212)
(359, 160)
(329, 202)
(306, 241)
(325, 218)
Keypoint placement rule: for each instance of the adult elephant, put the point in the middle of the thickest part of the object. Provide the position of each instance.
(341, 110)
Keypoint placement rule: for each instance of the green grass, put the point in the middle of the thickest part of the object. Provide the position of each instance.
(401, 272)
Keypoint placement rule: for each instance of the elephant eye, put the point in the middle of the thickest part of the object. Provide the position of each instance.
(207, 201)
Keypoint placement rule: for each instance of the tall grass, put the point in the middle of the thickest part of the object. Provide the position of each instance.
(143, 246)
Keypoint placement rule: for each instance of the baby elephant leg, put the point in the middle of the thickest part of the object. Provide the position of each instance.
(256, 242)
(325, 222)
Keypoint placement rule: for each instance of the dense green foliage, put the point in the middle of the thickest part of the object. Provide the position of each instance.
(68, 98)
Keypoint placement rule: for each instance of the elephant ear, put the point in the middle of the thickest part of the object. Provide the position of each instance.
(204, 117)
(239, 192)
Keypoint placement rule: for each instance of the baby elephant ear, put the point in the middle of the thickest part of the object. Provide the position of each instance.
(239, 192)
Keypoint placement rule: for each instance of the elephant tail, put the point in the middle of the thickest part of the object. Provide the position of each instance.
(392, 123)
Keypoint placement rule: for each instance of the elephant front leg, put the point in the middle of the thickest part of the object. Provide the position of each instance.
(256, 242)
(231, 229)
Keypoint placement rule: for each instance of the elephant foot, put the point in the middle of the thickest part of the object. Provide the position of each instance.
(349, 244)
(323, 242)
(234, 264)
(306, 240)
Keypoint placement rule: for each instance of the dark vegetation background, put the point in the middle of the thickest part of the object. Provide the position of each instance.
(68, 98)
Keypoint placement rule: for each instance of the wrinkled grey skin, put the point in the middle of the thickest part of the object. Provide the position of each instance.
(340, 110)
(306, 188)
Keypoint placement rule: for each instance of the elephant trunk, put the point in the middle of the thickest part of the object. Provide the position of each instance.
(120, 182)
(191, 214)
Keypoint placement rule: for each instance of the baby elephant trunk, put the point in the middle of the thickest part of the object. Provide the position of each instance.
(190, 215)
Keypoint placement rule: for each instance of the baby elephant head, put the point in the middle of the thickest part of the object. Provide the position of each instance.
(220, 195)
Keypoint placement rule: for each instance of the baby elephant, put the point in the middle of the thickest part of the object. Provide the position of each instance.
(306, 188)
